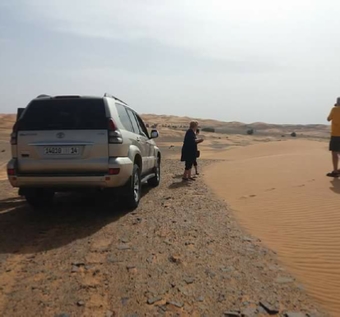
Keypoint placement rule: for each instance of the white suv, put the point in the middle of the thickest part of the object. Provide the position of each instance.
(67, 143)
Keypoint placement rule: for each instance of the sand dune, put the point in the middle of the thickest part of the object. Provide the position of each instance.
(280, 194)
(6, 121)
(233, 127)
(180, 123)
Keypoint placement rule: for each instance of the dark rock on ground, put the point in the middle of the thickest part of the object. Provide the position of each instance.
(176, 304)
(270, 308)
(154, 300)
(232, 314)
(295, 314)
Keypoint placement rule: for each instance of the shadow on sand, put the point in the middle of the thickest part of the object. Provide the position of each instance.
(335, 185)
(72, 217)
(179, 184)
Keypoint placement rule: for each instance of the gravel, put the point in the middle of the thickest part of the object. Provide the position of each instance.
(191, 254)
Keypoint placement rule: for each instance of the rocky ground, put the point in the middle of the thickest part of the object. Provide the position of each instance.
(180, 253)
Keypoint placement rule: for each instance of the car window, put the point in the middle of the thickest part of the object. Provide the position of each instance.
(134, 121)
(142, 125)
(64, 114)
(124, 118)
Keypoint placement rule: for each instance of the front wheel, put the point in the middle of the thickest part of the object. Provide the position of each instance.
(133, 194)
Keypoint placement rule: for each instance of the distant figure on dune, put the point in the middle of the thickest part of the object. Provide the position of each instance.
(334, 144)
(189, 150)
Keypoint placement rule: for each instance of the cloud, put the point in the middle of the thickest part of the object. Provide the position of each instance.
(242, 30)
(279, 58)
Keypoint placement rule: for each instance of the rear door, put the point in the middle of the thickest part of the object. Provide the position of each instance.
(141, 141)
(129, 133)
(63, 136)
(144, 140)
(150, 149)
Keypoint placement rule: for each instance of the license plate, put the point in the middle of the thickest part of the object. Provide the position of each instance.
(58, 150)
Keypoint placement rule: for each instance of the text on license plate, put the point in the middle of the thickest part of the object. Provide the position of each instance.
(59, 150)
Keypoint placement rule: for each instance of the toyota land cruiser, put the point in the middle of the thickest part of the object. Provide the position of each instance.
(67, 143)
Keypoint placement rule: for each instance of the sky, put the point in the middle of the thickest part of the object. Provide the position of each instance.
(246, 60)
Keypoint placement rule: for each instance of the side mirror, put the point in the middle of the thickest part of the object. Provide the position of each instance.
(154, 134)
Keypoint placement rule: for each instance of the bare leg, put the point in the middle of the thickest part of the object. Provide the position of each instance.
(335, 160)
(185, 175)
(186, 171)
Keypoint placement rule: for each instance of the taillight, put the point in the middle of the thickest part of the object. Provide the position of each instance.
(114, 171)
(112, 125)
(14, 134)
(115, 137)
(10, 171)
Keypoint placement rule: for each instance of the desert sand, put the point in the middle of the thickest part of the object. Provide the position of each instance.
(276, 188)
(3, 173)
(279, 193)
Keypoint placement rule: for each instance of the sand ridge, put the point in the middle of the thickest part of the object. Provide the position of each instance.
(174, 126)
(279, 193)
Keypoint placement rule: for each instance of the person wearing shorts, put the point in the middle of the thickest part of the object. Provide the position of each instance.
(334, 144)
(189, 150)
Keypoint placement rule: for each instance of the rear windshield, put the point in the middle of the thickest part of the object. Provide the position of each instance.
(64, 114)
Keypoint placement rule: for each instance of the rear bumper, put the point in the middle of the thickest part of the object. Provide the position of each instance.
(104, 180)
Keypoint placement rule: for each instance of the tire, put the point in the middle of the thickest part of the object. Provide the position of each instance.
(155, 181)
(133, 194)
(39, 198)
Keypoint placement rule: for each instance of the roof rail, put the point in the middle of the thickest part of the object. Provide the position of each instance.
(67, 97)
(110, 96)
(43, 96)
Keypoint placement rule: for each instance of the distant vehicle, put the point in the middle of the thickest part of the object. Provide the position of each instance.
(68, 143)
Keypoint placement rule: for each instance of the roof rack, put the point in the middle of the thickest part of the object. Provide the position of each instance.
(67, 97)
(110, 96)
(43, 96)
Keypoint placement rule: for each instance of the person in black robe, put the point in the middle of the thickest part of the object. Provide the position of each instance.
(189, 150)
